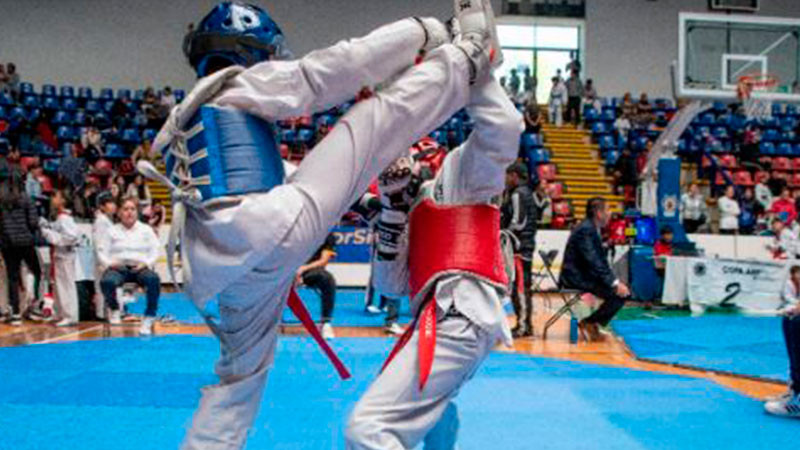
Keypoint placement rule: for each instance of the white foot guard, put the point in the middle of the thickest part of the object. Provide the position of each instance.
(478, 37)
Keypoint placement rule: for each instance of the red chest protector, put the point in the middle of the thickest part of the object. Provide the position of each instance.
(454, 240)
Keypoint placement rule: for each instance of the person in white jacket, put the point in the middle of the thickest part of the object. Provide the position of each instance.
(104, 220)
(558, 98)
(129, 253)
(728, 212)
(63, 234)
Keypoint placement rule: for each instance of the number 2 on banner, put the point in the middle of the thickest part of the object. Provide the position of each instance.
(733, 290)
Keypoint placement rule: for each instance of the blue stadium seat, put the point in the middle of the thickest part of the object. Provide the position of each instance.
(770, 135)
(791, 110)
(640, 143)
(591, 115)
(48, 90)
(796, 150)
(5, 99)
(34, 114)
(62, 118)
(3, 115)
(777, 110)
(149, 134)
(609, 115)
(80, 131)
(720, 133)
(106, 94)
(107, 105)
(612, 156)
(770, 122)
(607, 143)
(92, 106)
(70, 104)
(131, 136)
(441, 137)
(85, 93)
(788, 136)
(288, 136)
(65, 133)
(787, 123)
(683, 147)
(661, 119)
(305, 136)
(737, 122)
(115, 151)
(707, 119)
(124, 93)
(67, 92)
(767, 148)
(26, 88)
(180, 94)
(598, 128)
(30, 101)
(327, 120)
(50, 103)
(80, 118)
(138, 95)
(101, 120)
(719, 107)
(51, 165)
(784, 149)
(18, 113)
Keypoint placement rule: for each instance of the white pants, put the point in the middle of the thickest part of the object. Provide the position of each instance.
(338, 171)
(393, 414)
(66, 292)
(556, 114)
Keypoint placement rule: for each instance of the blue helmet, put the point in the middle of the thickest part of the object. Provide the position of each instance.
(234, 33)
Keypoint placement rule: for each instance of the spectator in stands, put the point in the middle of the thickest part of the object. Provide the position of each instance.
(764, 194)
(777, 184)
(168, 100)
(529, 83)
(514, 84)
(115, 192)
(19, 225)
(586, 268)
(783, 207)
(4, 79)
(644, 112)
(129, 253)
(729, 211)
(11, 173)
(788, 403)
(558, 98)
(625, 172)
(519, 217)
(751, 210)
(73, 169)
(33, 187)
(590, 95)
(13, 80)
(101, 227)
(784, 242)
(533, 118)
(575, 93)
(748, 149)
(543, 203)
(157, 217)
(92, 141)
(627, 108)
(144, 151)
(121, 112)
(315, 275)
(623, 125)
(64, 236)
(140, 191)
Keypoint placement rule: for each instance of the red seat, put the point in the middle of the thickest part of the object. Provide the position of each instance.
(794, 181)
(284, 151)
(796, 164)
(728, 161)
(720, 179)
(547, 172)
(556, 191)
(562, 208)
(743, 178)
(781, 163)
(761, 176)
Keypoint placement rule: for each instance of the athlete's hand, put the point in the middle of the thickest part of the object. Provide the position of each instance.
(397, 176)
(792, 312)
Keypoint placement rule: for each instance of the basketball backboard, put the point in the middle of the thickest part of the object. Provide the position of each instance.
(716, 50)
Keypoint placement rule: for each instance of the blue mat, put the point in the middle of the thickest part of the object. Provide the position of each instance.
(133, 393)
(349, 309)
(751, 346)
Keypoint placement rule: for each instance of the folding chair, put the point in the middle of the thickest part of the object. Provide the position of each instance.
(570, 297)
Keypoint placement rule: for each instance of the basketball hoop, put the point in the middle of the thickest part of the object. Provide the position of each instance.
(755, 106)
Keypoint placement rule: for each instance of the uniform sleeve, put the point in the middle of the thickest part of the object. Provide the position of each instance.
(475, 172)
(103, 242)
(65, 234)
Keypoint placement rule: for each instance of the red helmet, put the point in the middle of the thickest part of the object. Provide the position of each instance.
(428, 154)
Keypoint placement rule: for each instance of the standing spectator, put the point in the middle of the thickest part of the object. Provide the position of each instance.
(13, 80)
(694, 210)
(64, 236)
(751, 209)
(625, 171)
(73, 169)
(783, 207)
(11, 173)
(533, 118)
(644, 112)
(575, 93)
(519, 216)
(129, 253)
(529, 84)
(514, 85)
(315, 275)
(573, 66)
(586, 268)
(558, 98)
(784, 242)
(748, 150)
(140, 191)
(590, 95)
(788, 404)
(764, 194)
(33, 185)
(104, 220)
(728, 212)
(19, 224)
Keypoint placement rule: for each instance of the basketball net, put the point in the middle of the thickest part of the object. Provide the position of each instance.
(755, 106)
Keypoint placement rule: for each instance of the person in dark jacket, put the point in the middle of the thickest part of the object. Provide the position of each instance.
(586, 268)
(520, 217)
(19, 225)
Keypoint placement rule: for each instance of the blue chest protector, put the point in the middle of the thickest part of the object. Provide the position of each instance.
(230, 152)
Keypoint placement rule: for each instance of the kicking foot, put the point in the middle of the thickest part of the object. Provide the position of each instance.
(475, 23)
(327, 331)
(146, 328)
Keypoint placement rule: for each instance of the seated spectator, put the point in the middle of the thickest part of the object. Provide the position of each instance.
(751, 210)
(777, 183)
(121, 112)
(144, 151)
(13, 80)
(73, 169)
(140, 191)
(315, 275)
(157, 217)
(644, 111)
(575, 95)
(788, 404)
(92, 142)
(783, 207)
(729, 212)
(64, 236)
(623, 125)
(128, 254)
(558, 98)
(586, 268)
(627, 108)
(543, 203)
(784, 242)
(115, 192)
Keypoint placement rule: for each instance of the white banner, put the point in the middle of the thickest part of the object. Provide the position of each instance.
(753, 286)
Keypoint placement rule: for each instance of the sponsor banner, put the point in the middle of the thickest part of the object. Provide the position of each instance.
(754, 286)
(353, 245)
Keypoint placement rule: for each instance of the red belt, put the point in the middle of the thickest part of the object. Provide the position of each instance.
(300, 311)
(518, 275)
(426, 342)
